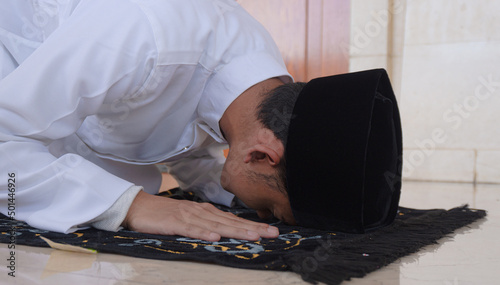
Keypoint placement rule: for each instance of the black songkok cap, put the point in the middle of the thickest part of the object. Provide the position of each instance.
(343, 153)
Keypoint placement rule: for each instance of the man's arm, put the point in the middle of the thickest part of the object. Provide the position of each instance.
(76, 70)
(199, 173)
(166, 216)
(85, 63)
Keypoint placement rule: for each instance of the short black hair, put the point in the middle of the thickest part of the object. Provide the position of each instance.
(275, 112)
(275, 109)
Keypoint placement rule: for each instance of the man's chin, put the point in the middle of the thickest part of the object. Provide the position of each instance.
(228, 189)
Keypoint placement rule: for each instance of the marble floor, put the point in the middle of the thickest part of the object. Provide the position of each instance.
(469, 256)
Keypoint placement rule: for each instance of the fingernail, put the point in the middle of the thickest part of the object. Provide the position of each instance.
(214, 236)
(273, 230)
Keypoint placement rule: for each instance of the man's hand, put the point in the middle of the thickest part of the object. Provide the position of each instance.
(165, 216)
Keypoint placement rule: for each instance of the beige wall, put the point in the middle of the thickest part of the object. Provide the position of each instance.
(312, 35)
(444, 59)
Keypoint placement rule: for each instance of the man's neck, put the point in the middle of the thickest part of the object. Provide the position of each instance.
(239, 121)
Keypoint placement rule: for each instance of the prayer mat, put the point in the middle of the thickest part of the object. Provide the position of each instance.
(329, 257)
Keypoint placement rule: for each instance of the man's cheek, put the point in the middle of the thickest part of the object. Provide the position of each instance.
(225, 179)
(233, 168)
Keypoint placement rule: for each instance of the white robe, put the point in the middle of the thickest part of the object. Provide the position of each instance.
(93, 93)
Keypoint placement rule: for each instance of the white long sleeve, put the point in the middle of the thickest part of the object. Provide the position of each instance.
(98, 92)
(205, 181)
(80, 67)
(113, 217)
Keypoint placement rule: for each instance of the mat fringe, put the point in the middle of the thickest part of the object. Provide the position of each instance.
(329, 257)
(334, 262)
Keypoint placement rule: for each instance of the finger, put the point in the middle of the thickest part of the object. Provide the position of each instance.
(228, 227)
(197, 232)
(195, 216)
(176, 226)
(229, 231)
(263, 229)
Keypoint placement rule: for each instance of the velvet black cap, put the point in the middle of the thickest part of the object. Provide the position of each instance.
(343, 153)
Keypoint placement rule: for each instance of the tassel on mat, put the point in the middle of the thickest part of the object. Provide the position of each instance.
(338, 260)
(318, 256)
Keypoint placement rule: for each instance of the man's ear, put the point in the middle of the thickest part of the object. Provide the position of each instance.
(261, 152)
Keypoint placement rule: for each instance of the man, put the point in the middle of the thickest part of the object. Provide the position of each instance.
(94, 93)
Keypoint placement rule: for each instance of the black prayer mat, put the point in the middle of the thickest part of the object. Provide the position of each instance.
(328, 257)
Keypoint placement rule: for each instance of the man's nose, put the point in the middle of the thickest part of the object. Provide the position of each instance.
(264, 214)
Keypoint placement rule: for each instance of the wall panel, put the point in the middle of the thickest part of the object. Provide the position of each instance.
(312, 35)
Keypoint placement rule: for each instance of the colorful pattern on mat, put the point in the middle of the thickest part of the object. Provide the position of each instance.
(263, 254)
(329, 257)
